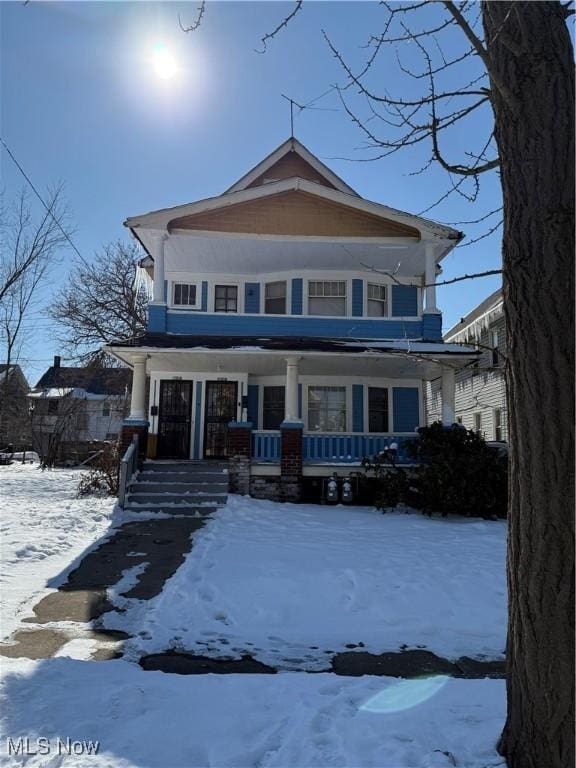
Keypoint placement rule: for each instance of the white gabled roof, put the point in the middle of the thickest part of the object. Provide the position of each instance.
(291, 145)
(161, 220)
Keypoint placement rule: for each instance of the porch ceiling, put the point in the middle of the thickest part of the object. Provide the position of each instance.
(250, 255)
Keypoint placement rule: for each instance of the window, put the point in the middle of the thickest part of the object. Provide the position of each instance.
(327, 297)
(184, 295)
(377, 300)
(494, 345)
(273, 408)
(226, 298)
(478, 423)
(458, 419)
(327, 409)
(105, 409)
(377, 409)
(275, 298)
(52, 406)
(498, 424)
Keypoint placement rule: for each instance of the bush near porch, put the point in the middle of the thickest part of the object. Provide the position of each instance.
(456, 473)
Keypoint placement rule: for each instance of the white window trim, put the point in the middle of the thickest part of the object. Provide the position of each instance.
(263, 283)
(172, 287)
(347, 299)
(388, 286)
(229, 284)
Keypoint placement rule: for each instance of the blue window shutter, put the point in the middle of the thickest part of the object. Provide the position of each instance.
(404, 301)
(165, 291)
(357, 408)
(297, 295)
(299, 401)
(406, 411)
(357, 298)
(253, 404)
(204, 300)
(252, 298)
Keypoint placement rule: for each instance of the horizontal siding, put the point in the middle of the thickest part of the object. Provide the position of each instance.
(404, 301)
(272, 325)
(406, 409)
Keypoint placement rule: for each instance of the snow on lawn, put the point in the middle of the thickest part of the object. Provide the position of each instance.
(43, 528)
(287, 583)
(289, 720)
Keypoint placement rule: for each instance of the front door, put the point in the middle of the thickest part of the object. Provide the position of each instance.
(221, 407)
(174, 419)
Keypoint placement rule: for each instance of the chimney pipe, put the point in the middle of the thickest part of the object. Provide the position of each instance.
(56, 361)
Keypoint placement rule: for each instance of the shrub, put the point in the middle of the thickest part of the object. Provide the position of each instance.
(456, 473)
(102, 480)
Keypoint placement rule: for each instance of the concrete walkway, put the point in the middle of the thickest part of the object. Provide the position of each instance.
(162, 544)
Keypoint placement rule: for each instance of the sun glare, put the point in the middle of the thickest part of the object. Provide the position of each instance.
(164, 62)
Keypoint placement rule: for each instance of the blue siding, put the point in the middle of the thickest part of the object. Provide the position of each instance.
(297, 288)
(157, 318)
(223, 324)
(432, 326)
(252, 297)
(406, 411)
(357, 298)
(357, 408)
(197, 419)
(404, 301)
(204, 299)
(253, 404)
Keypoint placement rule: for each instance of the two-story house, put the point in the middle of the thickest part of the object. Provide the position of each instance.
(293, 325)
(480, 388)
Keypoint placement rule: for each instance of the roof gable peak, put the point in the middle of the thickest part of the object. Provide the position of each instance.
(291, 159)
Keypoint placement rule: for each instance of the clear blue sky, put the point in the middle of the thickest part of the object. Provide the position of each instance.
(81, 103)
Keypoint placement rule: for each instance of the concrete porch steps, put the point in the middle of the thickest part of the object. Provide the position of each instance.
(179, 487)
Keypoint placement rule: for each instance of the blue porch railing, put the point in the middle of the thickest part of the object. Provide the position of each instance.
(340, 448)
(266, 446)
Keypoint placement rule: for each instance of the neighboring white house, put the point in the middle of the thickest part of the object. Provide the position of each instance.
(72, 407)
(288, 305)
(480, 402)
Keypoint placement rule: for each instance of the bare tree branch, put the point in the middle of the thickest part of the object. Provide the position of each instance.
(283, 23)
(196, 23)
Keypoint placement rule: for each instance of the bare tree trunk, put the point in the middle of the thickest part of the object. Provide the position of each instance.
(529, 46)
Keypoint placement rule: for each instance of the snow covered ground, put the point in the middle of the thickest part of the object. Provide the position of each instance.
(43, 529)
(287, 583)
(289, 720)
(283, 578)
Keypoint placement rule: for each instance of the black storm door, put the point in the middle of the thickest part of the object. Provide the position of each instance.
(221, 403)
(174, 419)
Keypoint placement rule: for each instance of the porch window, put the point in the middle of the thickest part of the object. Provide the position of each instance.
(377, 300)
(327, 409)
(184, 294)
(226, 298)
(273, 407)
(105, 409)
(327, 297)
(377, 409)
(275, 298)
(52, 406)
(498, 424)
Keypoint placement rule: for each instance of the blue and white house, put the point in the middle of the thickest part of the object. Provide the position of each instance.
(289, 302)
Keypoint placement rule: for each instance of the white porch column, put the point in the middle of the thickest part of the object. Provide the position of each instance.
(430, 278)
(157, 249)
(291, 399)
(138, 400)
(448, 397)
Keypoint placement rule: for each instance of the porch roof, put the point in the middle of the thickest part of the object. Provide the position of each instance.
(332, 356)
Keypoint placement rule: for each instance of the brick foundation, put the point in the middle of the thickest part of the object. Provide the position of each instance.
(265, 487)
(129, 429)
(291, 461)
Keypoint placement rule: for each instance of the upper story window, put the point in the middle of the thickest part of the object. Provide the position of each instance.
(184, 294)
(377, 409)
(275, 298)
(226, 298)
(327, 297)
(52, 406)
(106, 409)
(494, 345)
(377, 300)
